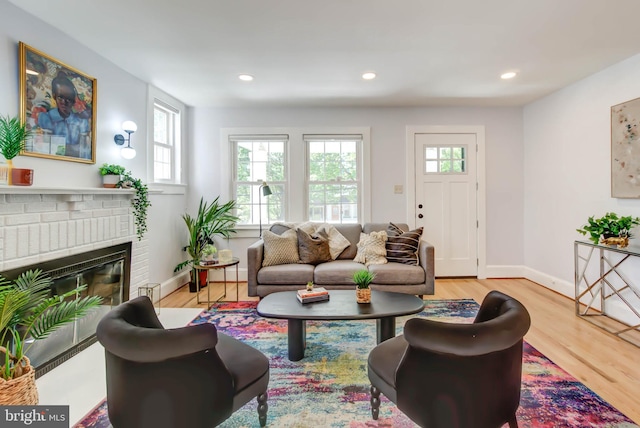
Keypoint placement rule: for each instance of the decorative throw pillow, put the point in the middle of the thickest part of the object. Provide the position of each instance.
(402, 247)
(313, 248)
(337, 242)
(371, 248)
(280, 249)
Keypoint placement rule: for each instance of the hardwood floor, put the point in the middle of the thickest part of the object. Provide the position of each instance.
(606, 364)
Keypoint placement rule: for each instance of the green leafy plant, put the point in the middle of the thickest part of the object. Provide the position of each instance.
(363, 278)
(140, 201)
(13, 136)
(111, 169)
(209, 250)
(28, 311)
(609, 225)
(211, 220)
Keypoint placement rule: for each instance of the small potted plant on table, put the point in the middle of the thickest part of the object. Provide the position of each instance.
(363, 278)
(610, 229)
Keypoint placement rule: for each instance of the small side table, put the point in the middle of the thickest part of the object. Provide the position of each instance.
(149, 290)
(234, 262)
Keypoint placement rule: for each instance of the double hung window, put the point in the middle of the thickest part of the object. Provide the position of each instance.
(166, 143)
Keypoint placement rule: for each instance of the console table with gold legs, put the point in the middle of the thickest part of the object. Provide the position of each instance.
(234, 262)
(605, 292)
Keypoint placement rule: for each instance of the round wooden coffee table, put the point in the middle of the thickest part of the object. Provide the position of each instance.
(384, 308)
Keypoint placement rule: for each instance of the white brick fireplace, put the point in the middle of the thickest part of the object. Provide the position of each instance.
(39, 224)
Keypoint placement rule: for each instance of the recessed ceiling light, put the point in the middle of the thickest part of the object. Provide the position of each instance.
(369, 75)
(509, 75)
(246, 77)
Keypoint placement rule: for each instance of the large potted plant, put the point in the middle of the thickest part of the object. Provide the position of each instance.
(211, 219)
(13, 137)
(28, 312)
(605, 229)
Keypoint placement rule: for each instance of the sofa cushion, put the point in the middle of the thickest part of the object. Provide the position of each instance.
(397, 273)
(335, 272)
(313, 248)
(371, 248)
(402, 247)
(280, 249)
(286, 274)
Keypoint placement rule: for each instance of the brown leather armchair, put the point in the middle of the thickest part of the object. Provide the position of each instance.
(455, 375)
(185, 377)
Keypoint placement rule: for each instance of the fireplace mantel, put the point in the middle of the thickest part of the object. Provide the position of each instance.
(38, 190)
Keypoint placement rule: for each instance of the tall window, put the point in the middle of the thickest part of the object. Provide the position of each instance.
(257, 159)
(334, 178)
(166, 143)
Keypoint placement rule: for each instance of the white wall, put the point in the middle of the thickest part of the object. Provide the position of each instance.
(120, 96)
(567, 146)
(504, 160)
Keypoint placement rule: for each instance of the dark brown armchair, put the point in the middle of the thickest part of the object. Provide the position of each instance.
(185, 377)
(455, 375)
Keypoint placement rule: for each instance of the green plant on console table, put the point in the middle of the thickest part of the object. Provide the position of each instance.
(363, 278)
(140, 201)
(28, 311)
(111, 169)
(609, 225)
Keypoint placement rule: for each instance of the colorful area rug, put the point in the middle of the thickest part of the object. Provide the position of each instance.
(330, 388)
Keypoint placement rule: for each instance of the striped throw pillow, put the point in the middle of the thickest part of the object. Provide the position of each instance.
(402, 247)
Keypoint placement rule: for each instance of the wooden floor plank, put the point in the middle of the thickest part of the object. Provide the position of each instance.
(605, 363)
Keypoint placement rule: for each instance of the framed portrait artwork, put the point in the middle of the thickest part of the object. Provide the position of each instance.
(58, 104)
(625, 150)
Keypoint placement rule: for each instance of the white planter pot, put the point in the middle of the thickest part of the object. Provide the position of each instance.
(110, 180)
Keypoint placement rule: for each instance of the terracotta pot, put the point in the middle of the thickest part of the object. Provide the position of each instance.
(202, 278)
(363, 295)
(21, 177)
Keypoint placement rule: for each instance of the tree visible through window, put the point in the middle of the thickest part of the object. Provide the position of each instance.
(333, 178)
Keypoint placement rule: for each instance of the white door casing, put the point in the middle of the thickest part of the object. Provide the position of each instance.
(454, 200)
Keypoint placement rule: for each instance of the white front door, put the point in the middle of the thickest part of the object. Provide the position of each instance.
(446, 199)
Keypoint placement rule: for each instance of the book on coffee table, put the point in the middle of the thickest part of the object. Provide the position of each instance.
(316, 295)
(319, 298)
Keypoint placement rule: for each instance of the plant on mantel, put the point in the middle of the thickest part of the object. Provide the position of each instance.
(140, 201)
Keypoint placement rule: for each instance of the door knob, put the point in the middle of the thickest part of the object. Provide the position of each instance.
(420, 216)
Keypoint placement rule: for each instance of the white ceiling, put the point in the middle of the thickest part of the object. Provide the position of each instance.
(304, 53)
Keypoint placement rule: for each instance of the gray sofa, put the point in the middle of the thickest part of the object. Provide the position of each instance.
(335, 274)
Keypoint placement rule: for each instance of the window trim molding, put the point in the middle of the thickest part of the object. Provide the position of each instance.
(170, 103)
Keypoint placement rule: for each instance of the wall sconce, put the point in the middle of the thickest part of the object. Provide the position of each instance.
(127, 152)
(263, 190)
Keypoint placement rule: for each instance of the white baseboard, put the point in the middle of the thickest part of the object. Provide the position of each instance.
(172, 284)
(504, 271)
(551, 282)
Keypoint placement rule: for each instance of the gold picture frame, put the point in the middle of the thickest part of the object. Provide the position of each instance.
(58, 104)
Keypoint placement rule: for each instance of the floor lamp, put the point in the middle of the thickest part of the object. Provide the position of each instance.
(263, 190)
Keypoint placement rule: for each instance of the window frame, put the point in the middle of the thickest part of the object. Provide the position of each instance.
(296, 209)
(178, 111)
